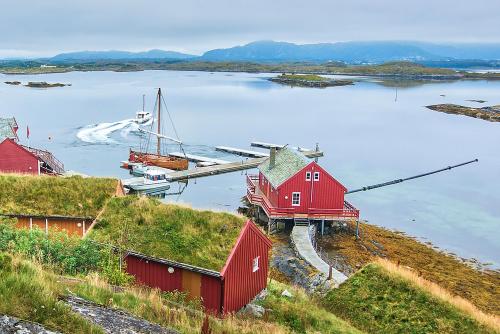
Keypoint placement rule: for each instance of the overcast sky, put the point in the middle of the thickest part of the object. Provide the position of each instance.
(42, 28)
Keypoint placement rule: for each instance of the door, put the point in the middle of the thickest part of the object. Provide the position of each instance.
(191, 284)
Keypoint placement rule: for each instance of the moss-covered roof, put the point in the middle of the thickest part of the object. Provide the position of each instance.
(177, 233)
(54, 196)
(288, 162)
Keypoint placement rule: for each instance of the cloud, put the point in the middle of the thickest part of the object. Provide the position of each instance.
(52, 26)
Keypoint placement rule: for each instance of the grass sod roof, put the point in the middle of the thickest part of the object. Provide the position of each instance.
(287, 163)
(54, 196)
(381, 300)
(181, 234)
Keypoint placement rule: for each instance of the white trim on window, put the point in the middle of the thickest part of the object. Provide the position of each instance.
(296, 199)
(308, 176)
(255, 264)
(316, 176)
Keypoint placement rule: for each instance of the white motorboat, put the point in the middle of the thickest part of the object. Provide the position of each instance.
(143, 117)
(153, 181)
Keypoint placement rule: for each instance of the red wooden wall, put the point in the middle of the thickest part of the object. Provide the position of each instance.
(155, 274)
(241, 284)
(15, 159)
(327, 193)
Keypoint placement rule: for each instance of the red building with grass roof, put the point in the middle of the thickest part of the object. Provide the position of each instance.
(243, 276)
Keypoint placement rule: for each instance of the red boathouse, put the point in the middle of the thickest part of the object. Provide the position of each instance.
(243, 276)
(17, 158)
(291, 187)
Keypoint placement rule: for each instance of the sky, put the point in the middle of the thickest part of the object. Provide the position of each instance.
(33, 28)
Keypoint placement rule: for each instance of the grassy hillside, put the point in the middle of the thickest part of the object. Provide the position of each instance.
(482, 288)
(379, 299)
(48, 195)
(200, 238)
(29, 293)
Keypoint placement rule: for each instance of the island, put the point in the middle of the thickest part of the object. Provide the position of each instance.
(491, 113)
(43, 84)
(15, 83)
(309, 80)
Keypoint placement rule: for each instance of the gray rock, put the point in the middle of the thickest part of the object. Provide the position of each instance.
(253, 310)
(114, 321)
(12, 325)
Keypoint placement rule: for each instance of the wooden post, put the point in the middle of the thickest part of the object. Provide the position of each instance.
(46, 226)
(31, 223)
(357, 229)
(330, 272)
(83, 225)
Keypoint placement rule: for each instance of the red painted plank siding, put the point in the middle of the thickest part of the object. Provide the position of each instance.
(327, 193)
(211, 293)
(241, 284)
(15, 159)
(154, 274)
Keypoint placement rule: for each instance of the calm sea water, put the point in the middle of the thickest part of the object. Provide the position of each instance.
(368, 137)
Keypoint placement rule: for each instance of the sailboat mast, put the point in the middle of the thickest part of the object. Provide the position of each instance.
(158, 151)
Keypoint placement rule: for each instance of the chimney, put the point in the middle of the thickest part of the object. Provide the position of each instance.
(272, 157)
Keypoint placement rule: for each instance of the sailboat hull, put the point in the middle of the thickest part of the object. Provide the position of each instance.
(163, 161)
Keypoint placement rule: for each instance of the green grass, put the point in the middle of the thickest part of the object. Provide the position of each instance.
(377, 301)
(29, 293)
(48, 195)
(301, 313)
(200, 238)
(304, 77)
(68, 255)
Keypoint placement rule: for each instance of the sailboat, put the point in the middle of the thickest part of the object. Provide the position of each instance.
(158, 159)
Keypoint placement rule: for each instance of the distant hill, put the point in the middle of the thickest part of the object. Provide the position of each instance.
(353, 52)
(448, 55)
(119, 55)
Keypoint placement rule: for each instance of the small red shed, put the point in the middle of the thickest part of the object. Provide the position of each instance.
(243, 276)
(16, 158)
(291, 186)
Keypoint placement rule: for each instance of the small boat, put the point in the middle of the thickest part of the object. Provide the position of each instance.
(142, 117)
(153, 181)
(159, 158)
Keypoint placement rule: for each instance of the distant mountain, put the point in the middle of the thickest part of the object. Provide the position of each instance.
(353, 52)
(119, 55)
(348, 52)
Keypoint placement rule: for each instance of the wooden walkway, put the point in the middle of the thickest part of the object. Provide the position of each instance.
(226, 168)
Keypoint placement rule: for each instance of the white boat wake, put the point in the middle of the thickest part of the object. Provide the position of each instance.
(101, 133)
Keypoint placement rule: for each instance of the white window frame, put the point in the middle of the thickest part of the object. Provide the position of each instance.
(255, 264)
(316, 176)
(296, 193)
(308, 176)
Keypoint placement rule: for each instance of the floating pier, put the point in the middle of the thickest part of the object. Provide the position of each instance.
(199, 158)
(278, 146)
(242, 152)
(226, 168)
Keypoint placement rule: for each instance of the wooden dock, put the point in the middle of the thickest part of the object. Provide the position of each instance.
(226, 168)
(278, 146)
(242, 152)
(199, 158)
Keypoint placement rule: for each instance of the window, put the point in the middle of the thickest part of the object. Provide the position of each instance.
(255, 264)
(316, 176)
(295, 199)
(308, 176)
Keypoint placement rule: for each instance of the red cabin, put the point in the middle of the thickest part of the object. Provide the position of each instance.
(243, 276)
(289, 186)
(16, 158)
